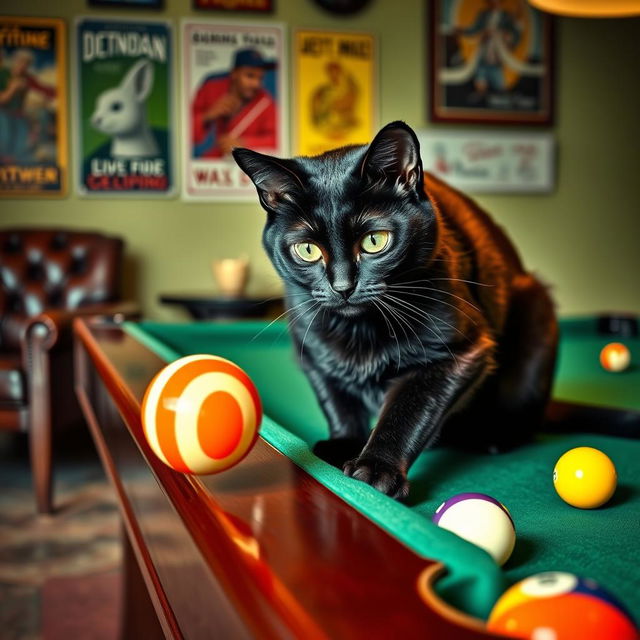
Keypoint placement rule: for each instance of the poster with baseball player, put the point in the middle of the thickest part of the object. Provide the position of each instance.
(33, 107)
(232, 96)
(335, 90)
(124, 107)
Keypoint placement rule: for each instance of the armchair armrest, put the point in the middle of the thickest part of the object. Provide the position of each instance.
(40, 335)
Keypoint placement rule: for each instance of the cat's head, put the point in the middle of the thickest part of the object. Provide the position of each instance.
(345, 224)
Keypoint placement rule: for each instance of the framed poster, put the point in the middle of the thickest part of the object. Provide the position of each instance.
(124, 93)
(34, 159)
(336, 96)
(255, 6)
(490, 162)
(232, 96)
(491, 61)
(128, 4)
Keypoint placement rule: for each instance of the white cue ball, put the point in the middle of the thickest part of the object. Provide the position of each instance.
(481, 520)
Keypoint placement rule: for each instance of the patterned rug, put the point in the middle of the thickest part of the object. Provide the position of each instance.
(52, 568)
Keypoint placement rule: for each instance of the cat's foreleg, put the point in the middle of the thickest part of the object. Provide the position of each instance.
(412, 416)
(347, 416)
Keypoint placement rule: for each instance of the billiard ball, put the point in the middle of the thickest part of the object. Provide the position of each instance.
(481, 520)
(615, 357)
(585, 477)
(201, 414)
(560, 606)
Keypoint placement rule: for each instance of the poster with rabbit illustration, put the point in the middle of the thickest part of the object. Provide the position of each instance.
(33, 107)
(125, 108)
(232, 96)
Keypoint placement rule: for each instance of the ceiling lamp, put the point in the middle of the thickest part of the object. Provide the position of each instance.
(590, 8)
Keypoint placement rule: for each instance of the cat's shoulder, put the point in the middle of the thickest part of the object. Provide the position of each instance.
(468, 220)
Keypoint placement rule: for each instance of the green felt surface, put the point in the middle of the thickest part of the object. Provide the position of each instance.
(602, 544)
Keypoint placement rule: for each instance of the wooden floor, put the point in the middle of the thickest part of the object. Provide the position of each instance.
(59, 575)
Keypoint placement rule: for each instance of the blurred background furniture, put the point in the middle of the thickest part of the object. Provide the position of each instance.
(210, 306)
(47, 277)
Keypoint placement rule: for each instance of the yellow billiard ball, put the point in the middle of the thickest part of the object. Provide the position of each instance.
(585, 477)
(615, 357)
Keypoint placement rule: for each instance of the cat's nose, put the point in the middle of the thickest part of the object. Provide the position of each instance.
(345, 289)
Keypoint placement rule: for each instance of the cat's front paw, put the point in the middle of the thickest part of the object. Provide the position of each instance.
(336, 451)
(383, 476)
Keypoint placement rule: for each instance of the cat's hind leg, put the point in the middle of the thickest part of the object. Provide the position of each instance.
(510, 406)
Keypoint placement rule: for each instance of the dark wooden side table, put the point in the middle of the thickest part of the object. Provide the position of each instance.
(209, 306)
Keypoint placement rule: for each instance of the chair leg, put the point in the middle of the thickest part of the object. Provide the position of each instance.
(40, 422)
(40, 453)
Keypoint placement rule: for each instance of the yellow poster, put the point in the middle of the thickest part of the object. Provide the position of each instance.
(335, 90)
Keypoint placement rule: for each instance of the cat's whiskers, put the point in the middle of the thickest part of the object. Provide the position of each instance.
(392, 333)
(402, 319)
(301, 313)
(394, 315)
(431, 280)
(281, 296)
(294, 319)
(421, 313)
(400, 287)
(426, 326)
(427, 314)
(480, 284)
(284, 313)
(307, 331)
(448, 304)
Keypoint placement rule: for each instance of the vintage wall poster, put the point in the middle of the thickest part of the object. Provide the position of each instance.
(232, 96)
(256, 6)
(128, 4)
(124, 97)
(34, 157)
(490, 162)
(491, 61)
(335, 84)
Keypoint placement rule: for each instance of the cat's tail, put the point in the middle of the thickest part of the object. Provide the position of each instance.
(566, 417)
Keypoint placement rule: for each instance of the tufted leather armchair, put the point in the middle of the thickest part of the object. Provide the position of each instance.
(47, 277)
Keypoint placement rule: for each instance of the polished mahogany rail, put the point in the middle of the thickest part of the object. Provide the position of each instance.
(260, 551)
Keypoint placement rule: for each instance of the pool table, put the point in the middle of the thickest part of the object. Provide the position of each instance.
(284, 546)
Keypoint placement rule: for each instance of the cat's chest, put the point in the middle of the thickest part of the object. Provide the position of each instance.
(353, 365)
(365, 364)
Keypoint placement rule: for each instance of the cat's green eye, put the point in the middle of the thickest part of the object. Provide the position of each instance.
(375, 242)
(308, 251)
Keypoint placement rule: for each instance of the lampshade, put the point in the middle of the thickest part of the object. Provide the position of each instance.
(590, 8)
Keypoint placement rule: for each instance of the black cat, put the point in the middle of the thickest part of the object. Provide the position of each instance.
(406, 303)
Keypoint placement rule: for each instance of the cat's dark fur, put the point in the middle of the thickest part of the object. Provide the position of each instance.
(441, 336)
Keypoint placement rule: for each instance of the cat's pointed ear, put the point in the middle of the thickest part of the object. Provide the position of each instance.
(275, 179)
(393, 159)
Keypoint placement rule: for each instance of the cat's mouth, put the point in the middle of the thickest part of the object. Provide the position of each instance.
(350, 307)
(356, 304)
(350, 310)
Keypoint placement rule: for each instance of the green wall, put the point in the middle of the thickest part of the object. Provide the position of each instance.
(582, 238)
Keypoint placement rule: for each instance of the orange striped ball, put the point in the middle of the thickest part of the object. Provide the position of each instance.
(201, 414)
(615, 357)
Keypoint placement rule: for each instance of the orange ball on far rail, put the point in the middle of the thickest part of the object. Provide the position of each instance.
(201, 414)
(615, 357)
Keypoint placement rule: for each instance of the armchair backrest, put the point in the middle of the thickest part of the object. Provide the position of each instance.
(54, 269)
